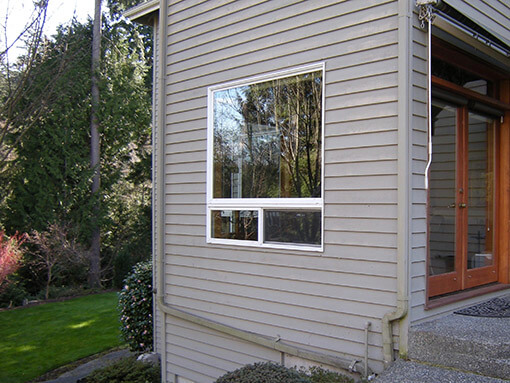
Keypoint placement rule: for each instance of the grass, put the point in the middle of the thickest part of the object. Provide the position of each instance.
(37, 339)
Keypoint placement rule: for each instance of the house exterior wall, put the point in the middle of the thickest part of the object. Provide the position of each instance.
(495, 16)
(318, 301)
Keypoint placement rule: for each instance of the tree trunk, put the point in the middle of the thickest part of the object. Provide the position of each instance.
(48, 283)
(95, 241)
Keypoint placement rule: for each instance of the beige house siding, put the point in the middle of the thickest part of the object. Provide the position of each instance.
(200, 354)
(318, 301)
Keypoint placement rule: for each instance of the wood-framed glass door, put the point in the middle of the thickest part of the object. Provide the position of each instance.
(461, 199)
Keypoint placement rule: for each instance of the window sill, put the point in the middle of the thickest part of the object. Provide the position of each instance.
(258, 245)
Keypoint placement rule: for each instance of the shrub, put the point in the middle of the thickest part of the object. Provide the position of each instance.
(135, 305)
(64, 292)
(263, 373)
(320, 375)
(275, 373)
(127, 370)
(11, 255)
(13, 294)
(58, 256)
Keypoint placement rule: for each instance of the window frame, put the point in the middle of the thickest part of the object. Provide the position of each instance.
(261, 204)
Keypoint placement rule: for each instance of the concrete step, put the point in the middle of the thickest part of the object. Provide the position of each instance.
(414, 372)
(466, 343)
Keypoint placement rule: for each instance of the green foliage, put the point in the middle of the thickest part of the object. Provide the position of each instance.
(56, 292)
(128, 238)
(274, 373)
(13, 294)
(127, 370)
(320, 375)
(125, 114)
(34, 340)
(49, 177)
(263, 373)
(135, 306)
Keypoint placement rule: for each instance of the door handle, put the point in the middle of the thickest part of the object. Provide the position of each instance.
(461, 205)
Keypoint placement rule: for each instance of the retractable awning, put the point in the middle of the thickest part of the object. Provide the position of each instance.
(487, 17)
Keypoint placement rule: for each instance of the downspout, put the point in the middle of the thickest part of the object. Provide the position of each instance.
(167, 309)
(155, 124)
(160, 175)
(404, 159)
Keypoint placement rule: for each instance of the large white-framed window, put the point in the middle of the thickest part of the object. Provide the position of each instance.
(265, 160)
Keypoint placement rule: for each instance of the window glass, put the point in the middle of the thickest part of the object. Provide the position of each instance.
(265, 164)
(292, 226)
(267, 139)
(235, 224)
(460, 77)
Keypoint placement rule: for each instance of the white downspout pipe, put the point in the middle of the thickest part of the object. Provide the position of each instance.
(404, 176)
(159, 286)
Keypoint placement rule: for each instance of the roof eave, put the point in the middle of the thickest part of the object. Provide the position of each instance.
(143, 13)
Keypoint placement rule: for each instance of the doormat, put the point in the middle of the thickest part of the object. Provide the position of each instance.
(495, 308)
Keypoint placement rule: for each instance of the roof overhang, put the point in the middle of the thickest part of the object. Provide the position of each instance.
(143, 13)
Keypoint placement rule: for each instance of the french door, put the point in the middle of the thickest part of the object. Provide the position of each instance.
(461, 200)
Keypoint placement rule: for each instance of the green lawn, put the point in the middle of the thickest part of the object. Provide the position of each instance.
(37, 339)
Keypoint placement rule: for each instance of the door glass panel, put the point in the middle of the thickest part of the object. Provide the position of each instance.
(442, 187)
(480, 192)
(458, 76)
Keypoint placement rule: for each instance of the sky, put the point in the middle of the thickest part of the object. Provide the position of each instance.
(59, 12)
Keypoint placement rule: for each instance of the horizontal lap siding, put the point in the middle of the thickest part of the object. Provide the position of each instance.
(317, 301)
(201, 354)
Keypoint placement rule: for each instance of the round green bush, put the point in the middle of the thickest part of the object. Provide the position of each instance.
(263, 373)
(135, 305)
(127, 370)
(12, 294)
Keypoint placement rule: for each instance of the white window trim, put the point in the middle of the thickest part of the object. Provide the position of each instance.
(261, 204)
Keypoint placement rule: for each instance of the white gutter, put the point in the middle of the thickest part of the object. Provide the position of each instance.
(404, 175)
(144, 9)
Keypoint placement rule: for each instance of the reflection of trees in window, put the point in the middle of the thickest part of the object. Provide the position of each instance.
(267, 139)
(292, 226)
(235, 224)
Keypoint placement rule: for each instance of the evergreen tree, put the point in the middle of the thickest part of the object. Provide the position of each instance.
(50, 176)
